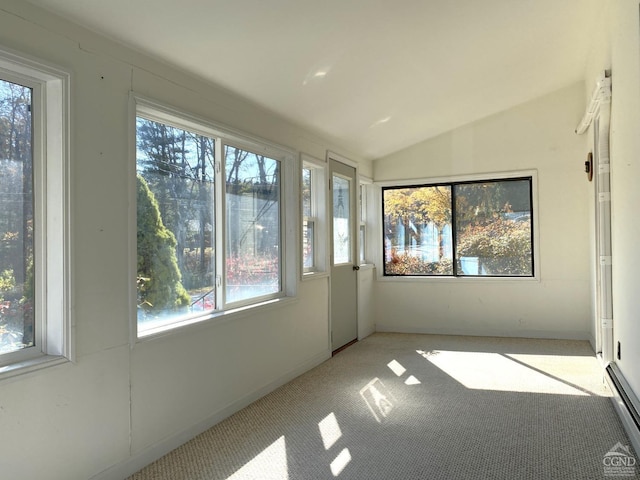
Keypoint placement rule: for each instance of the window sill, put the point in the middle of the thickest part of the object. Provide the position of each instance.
(215, 318)
(452, 279)
(367, 266)
(31, 365)
(314, 275)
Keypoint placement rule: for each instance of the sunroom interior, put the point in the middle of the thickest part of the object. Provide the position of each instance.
(406, 95)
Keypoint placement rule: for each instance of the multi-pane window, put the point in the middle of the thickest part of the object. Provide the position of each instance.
(210, 221)
(314, 216)
(35, 321)
(472, 228)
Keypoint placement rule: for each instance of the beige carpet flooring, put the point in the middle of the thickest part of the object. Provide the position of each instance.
(400, 406)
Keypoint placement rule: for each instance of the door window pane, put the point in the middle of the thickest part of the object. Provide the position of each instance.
(17, 321)
(253, 225)
(341, 220)
(175, 217)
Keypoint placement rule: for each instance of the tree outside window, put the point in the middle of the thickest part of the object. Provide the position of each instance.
(175, 217)
(189, 263)
(16, 219)
(461, 229)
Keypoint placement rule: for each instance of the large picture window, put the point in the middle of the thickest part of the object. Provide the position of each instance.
(209, 221)
(472, 228)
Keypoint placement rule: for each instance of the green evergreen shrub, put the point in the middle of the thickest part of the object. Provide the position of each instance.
(159, 279)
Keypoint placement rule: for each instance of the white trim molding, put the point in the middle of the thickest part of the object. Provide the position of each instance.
(54, 326)
(601, 94)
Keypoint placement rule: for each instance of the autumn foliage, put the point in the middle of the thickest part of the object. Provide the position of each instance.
(487, 233)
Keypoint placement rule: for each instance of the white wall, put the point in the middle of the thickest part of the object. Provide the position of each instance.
(618, 48)
(366, 313)
(117, 407)
(537, 135)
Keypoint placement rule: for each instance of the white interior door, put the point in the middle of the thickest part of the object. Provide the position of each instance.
(344, 265)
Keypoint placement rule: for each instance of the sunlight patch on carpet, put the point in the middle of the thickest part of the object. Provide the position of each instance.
(340, 462)
(411, 380)
(396, 367)
(378, 398)
(329, 430)
(494, 371)
(270, 464)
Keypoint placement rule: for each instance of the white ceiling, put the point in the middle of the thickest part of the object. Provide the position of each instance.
(374, 75)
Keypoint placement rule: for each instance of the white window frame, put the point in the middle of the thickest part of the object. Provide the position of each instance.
(365, 201)
(52, 214)
(144, 107)
(319, 182)
(251, 146)
(455, 179)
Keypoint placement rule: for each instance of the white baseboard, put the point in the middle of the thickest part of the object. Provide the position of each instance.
(143, 458)
(549, 334)
(630, 426)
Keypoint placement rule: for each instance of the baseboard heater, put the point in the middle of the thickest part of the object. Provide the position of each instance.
(626, 403)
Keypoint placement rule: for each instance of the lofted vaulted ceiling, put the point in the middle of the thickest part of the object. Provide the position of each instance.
(373, 75)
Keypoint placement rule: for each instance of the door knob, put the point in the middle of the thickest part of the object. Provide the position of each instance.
(356, 267)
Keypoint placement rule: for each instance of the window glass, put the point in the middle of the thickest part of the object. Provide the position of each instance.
(362, 247)
(308, 244)
(308, 223)
(493, 228)
(341, 220)
(362, 198)
(253, 225)
(417, 231)
(307, 193)
(17, 321)
(490, 227)
(176, 227)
